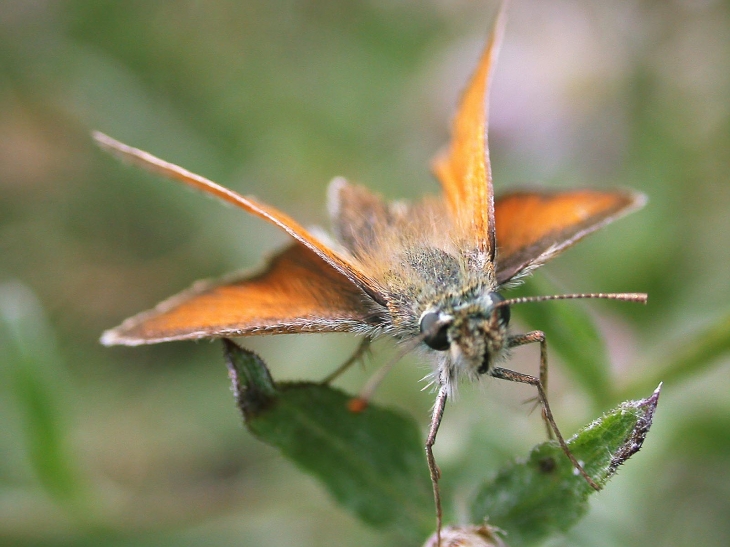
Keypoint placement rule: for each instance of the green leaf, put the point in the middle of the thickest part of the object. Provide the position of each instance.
(371, 461)
(544, 495)
(571, 333)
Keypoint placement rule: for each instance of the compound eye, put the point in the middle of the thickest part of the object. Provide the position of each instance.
(504, 315)
(503, 312)
(436, 335)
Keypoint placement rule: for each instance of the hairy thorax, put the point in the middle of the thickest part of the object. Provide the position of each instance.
(424, 266)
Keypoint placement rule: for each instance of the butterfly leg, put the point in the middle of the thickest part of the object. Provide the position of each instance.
(530, 338)
(438, 412)
(512, 376)
(361, 350)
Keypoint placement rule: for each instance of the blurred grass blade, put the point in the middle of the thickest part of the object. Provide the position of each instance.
(544, 495)
(35, 379)
(693, 355)
(572, 333)
(372, 461)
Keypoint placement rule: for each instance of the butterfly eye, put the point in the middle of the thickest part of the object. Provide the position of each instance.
(503, 312)
(436, 336)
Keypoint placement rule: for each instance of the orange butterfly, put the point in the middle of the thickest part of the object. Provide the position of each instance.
(430, 273)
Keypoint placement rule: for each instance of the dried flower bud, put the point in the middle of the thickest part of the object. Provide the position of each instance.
(467, 536)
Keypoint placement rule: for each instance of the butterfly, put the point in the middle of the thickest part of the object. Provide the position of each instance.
(430, 273)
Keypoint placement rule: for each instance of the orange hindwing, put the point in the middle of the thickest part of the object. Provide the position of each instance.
(534, 226)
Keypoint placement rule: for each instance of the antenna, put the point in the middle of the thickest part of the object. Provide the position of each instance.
(639, 297)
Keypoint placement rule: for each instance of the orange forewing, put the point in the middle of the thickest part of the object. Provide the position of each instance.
(297, 292)
(464, 171)
(534, 226)
(266, 212)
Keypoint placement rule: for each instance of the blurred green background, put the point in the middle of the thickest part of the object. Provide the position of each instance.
(144, 446)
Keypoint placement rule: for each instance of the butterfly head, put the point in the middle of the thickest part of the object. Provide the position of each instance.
(474, 334)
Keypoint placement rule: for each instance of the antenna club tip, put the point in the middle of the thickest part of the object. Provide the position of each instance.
(641, 297)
